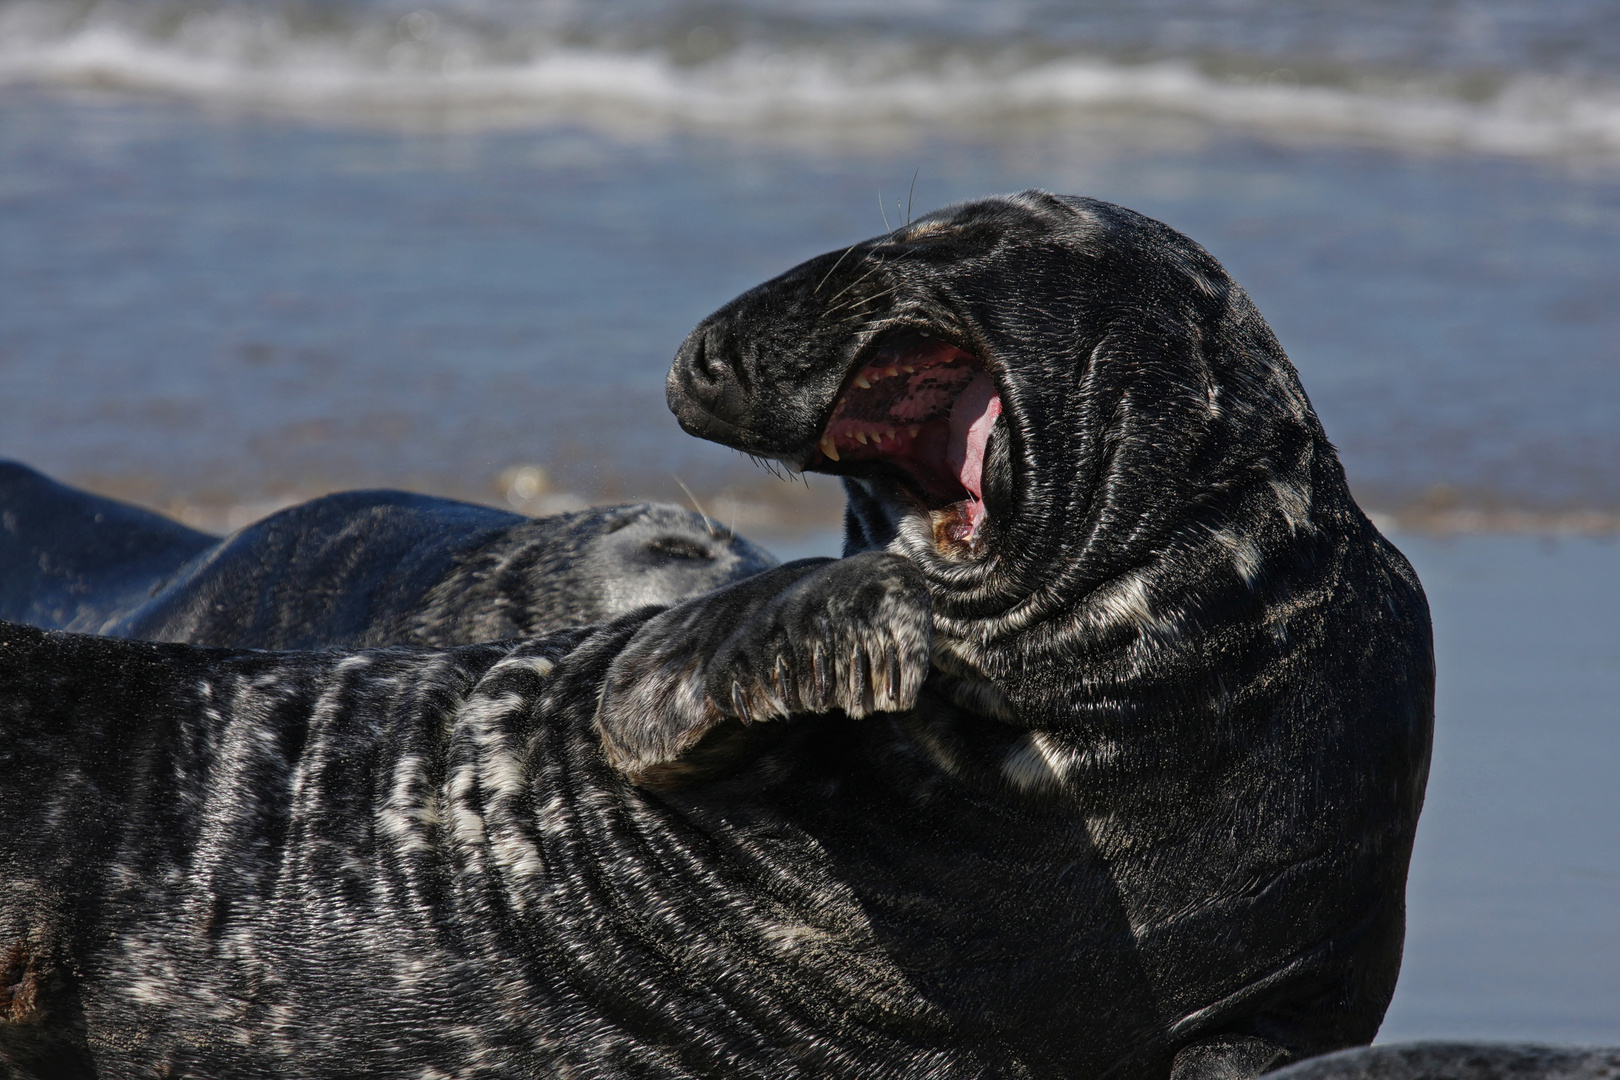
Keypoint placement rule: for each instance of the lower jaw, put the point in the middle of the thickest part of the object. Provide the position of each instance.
(955, 532)
(951, 528)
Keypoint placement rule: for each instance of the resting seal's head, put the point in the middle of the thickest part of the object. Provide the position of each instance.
(645, 553)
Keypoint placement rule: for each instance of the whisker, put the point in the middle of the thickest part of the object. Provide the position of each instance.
(883, 212)
(708, 522)
(856, 282)
(863, 299)
(867, 299)
(910, 193)
(853, 305)
(835, 266)
(765, 463)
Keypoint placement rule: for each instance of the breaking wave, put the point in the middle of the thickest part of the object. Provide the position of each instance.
(423, 64)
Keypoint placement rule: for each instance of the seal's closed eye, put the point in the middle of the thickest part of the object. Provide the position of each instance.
(676, 547)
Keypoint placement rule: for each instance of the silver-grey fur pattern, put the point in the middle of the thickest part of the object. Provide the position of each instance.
(1148, 814)
(1461, 1061)
(359, 568)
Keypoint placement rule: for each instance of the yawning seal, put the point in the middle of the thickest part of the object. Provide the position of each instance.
(1098, 755)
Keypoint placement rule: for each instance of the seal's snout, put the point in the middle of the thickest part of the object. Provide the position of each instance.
(703, 389)
(751, 379)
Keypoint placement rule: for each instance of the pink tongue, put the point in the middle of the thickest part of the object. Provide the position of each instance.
(972, 417)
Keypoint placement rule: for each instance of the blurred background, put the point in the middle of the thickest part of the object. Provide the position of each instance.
(256, 250)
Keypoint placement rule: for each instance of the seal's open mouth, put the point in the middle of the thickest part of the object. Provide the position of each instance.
(919, 411)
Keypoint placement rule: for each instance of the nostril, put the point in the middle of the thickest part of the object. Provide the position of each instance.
(704, 363)
(716, 361)
(712, 355)
(703, 388)
(696, 356)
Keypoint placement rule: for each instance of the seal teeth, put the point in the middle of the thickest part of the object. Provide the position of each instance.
(860, 437)
(891, 371)
(863, 382)
(829, 447)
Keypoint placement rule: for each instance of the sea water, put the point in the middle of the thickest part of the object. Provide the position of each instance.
(1513, 927)
(254, 250)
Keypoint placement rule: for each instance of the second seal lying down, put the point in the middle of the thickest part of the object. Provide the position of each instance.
(1098, 755)
(358, 568)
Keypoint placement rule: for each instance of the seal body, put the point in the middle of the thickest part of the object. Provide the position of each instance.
(1099, 754)
(1155, 606)
(360, 568)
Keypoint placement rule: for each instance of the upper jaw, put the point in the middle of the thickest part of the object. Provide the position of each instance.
(742, 380)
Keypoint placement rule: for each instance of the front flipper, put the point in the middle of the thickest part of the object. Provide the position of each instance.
(681, 700)
(854, 636)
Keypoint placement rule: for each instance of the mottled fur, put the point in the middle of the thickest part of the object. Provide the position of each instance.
(1461, 1061)
(1148, 809)
(359, 568)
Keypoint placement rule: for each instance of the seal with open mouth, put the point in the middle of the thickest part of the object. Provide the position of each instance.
(1153, 604)
(1098, 755)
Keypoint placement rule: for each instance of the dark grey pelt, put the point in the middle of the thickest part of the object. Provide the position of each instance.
(359, 568)
(1111, 773)
(70, 560)
(1461, 1061)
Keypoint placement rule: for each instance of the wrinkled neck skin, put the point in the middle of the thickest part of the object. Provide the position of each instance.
(1155, 604)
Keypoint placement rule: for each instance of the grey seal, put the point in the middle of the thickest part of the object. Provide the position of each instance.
(359, 568)
(1099, 754)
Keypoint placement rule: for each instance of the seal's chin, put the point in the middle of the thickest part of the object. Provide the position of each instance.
(919, 412)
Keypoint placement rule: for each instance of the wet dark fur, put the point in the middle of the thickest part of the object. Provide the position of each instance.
(73, 560)
(359, 568)
(1127, 789)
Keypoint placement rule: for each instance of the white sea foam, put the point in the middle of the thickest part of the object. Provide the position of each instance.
(401, 68)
